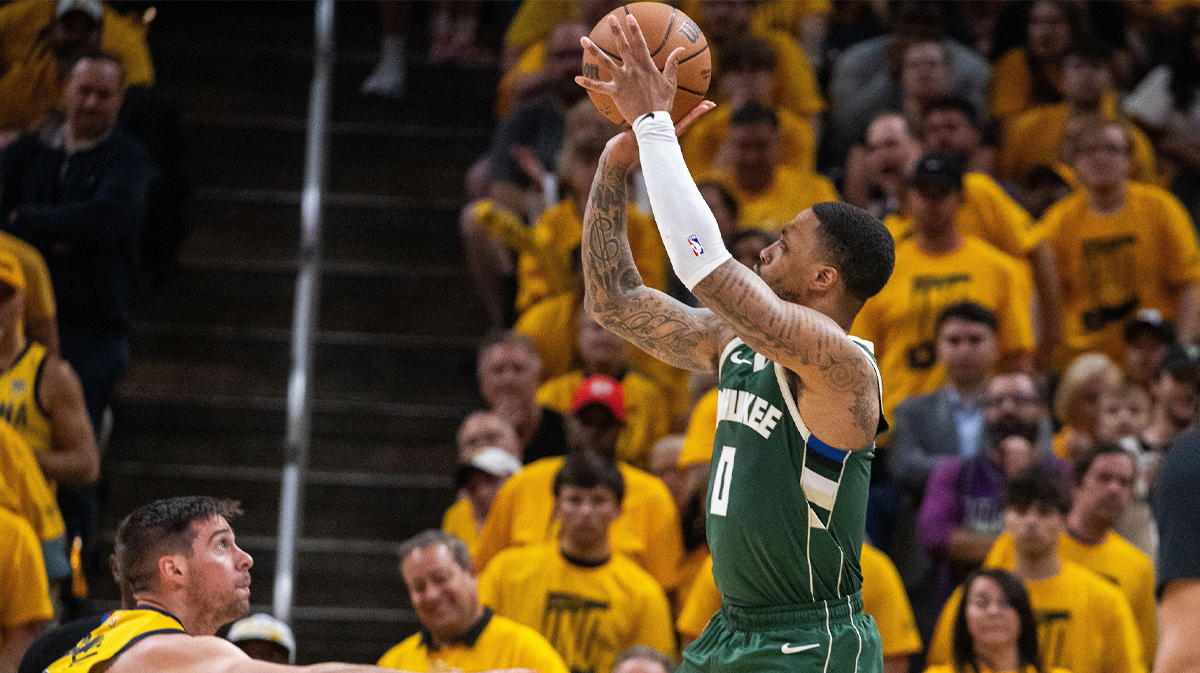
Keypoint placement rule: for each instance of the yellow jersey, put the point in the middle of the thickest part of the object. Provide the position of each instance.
(1084, 624)
(24, 489)
(948, 668)
(1114, 559)
(588, 612)
(19, 404)
(987, 213)
(648, 530)
(493, 642)
(902, 319)
(701, 432)
(25, 591)
(790, 193)
(703, 140)
(120, 631)
(645, 420)
(460, 520)
(39, 293)
(1111, 265)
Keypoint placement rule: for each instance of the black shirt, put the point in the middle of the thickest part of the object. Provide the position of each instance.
(550, 438)
(57, 643)
(1176, 503)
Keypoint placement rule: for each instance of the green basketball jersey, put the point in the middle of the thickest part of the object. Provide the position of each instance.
(785, 511)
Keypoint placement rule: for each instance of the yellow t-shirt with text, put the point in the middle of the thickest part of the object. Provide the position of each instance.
(789, 194)
(1084, 624)
(1111, 265)
(503, 643)
(901, 320)
(1034, 138)
(648, 530)
(589, 613)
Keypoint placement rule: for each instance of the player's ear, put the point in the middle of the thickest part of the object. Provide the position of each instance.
(172, 569)
(824, 278)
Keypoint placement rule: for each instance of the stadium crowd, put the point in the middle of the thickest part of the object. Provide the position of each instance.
(1038, 164)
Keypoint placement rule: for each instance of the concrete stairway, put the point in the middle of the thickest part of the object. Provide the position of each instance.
(202, 407)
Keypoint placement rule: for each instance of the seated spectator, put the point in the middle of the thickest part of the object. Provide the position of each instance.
(1102, 492)
(648, 529)
(643, 659)
(483, 429)
(1039, 137)
(937, 267)
(457, 631)
(1084, 622)
(1176, 397)
(877, 170)
(768, 193)
(264, 638)
(1147, 337)
(1125, 415)
(883, 598)
(24, 594)
(481, 478)
(508, 380)
(77, 192)
(995, 628)
(963, 510)
(40, 395)
(951, 125)
(1166, 103)
(603, 353)
(590, 601)
(1076, 403)
(24, 490)
(39, 317)
(1119, 246)
(948, 421)
(1031, 75)
(864, 77)
(40, 43)
(747, 71)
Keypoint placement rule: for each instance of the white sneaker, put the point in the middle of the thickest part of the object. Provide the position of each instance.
(389, 82)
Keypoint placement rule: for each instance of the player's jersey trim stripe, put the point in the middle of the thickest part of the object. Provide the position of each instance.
(856, 632)
(786, 391)
(819, 490)
(828, 652)
(825, 449)
(734, 343)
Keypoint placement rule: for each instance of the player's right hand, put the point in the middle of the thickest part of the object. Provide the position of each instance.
(622, 150)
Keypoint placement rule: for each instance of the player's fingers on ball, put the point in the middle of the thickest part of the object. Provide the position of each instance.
(637, 41)
(597, 53)
(594, 84)
(671, 67)
(690, 117)
(619, 36)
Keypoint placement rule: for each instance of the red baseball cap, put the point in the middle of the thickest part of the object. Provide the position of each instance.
(603, 390)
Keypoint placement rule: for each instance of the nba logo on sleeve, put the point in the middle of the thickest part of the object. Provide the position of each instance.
(694, 241)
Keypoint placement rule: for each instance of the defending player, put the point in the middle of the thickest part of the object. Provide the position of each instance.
(798, 397)
(189, 579)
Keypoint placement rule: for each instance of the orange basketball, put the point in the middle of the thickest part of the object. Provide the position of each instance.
(665, 29)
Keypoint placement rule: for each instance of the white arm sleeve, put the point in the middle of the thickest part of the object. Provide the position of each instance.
(689, 230)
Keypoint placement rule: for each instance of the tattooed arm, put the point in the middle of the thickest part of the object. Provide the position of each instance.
(669, 330)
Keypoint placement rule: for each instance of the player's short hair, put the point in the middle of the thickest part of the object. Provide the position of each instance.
(952, 103)
(858, 246)
(585, 469)
(1084, 463)
(163, 528)
(748, 54)
(753, 112)
(963, 651)
(433, 537)
(646, 653)
(1038, 484)
(970, 312)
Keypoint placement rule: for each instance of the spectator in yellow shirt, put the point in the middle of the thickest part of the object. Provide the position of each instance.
(603, 353)
(937, 267)
(457, 632)
(1120, 246)
(1031, 75)
(648, 529)
(590, 601)
(1103, 491)
(1044, 135)
(1084, 622)
(768, 193)
(481, 478)
(24, 594)
(747, 68)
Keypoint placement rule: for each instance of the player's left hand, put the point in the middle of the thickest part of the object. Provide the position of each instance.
(622, 149)
(637, 86)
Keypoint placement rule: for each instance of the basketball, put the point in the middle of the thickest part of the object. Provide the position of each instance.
(665, 29)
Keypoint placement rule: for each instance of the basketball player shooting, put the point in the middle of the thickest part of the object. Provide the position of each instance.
(798, 401)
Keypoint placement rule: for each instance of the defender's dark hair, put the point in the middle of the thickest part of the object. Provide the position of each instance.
(1085, 462)
(953, 103)
(587, 470)
(970, 312)
(754, 112)
(1038, 484)
(428, 538)
(963, 653)
(163, 528)
(748, 54)
(858, 245)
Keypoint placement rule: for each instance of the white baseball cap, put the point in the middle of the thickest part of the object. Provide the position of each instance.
(264, 627)
(491, 460)
(92, 8)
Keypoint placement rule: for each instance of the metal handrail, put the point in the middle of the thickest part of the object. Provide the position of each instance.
(304, 318)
